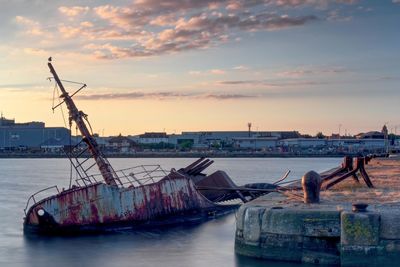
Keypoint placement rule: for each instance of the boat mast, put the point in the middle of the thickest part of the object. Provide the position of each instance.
(78, 117)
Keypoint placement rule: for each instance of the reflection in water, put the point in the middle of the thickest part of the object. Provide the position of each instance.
(197, 245)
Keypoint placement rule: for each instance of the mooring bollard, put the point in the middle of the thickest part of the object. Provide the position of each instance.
(347, 163)
(311, 183)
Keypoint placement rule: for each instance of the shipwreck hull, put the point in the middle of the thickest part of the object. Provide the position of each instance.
(99, 207)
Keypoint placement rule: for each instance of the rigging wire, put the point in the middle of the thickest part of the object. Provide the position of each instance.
(76, 170)
(65, 123)
(66, 81)
(59, 103)
(61, 108)
(54, 95)
(90, 126)
(73, 82)
(70, 152)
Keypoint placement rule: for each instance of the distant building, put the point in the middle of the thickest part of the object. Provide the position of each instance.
(265, 143)
(210, 138)
(371, 135)
(153, 138)
(334, 136)
(121, 144)
(303, 143)
(370, 145)
(30, 135)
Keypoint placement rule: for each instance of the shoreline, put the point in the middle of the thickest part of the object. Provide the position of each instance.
(178, 155)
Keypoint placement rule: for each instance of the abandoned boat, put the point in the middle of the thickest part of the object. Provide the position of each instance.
(142, 196)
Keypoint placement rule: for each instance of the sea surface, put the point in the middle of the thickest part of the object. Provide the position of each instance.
(207, 244)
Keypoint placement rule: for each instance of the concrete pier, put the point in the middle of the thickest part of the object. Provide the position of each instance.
(278, 227)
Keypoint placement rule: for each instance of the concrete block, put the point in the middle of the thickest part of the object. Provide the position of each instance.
(359, 229)
(357, 255)
(240, 217)
(241, 248)
(315, 222)
(313, 257)
(252, 224)
(322, 227)
(390, 224)
(239, 234)
(282, 247)
(324, 244)
(391, 246)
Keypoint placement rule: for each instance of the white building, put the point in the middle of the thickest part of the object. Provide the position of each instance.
(303, 143)
(255, 143)
(153, 138)
(355, 145)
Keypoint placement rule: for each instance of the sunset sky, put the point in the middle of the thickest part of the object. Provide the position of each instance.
(190, 65)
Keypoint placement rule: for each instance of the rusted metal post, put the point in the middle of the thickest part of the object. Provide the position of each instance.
(311, 183)
(348, 166)
(364, 175)
(347, 163)
(367, 159)
(194, 164)
(354, 175)
(199, 169)
(196, 169)
(341, 178)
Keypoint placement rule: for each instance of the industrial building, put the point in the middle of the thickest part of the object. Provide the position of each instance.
(370, 145)
(14, 136)
(238, 138)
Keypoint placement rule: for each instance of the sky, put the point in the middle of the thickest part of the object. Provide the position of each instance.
(193, 65)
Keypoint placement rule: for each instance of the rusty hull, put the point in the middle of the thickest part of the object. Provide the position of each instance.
(174, 199)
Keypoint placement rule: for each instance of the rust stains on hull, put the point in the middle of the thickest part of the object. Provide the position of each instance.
(101, 205)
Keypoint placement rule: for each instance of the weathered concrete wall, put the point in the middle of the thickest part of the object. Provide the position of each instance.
(326, 233)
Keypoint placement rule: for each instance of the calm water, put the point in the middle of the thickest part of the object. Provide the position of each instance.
(208, 244)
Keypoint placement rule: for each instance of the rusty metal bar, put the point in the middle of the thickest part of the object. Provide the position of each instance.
(190, 166)
(283, 177)
(198, 167)
(202, 168)
(364, 175)
(341, 178)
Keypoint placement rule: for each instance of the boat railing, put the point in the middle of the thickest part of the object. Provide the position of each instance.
(129, 177)
(32, 197)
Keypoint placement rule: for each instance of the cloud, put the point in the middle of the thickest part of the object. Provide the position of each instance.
(396, 1)
(130, 95)
(275, 83)
(199, 32)
(31, 27)
(258, 83)
(35, 51)
(349, 2)
(207, 72)
(227, 96)
(145, 28)
(300, 83)
(136, 95)
(336, 15)
(73, 11)
(195, 72)
(241, 68)
(217, 72)
(307, 71)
